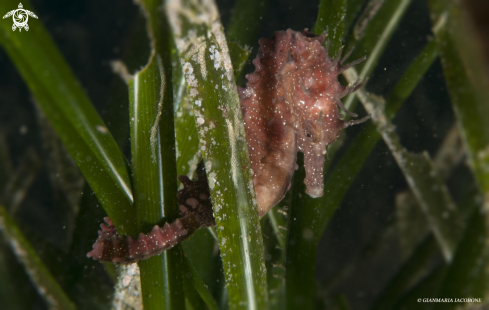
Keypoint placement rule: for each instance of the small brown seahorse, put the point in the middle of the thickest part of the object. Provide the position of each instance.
(290, 105)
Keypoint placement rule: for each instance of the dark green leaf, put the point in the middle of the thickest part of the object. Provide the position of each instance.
(374, 35)
(81, 129)
(331, 18)
(154, 163)
(196, 282)
(245, 22)
(467, 81)
(211, 87)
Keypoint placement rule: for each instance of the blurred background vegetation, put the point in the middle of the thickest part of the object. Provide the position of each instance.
(392, 226)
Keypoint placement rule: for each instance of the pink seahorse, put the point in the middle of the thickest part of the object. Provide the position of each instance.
(290, 104)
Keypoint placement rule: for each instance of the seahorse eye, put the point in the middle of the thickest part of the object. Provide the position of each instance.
(308, 136)
(311, 132)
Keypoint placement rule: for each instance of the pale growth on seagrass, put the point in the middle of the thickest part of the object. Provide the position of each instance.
(102, 129)
(120, 68)
(208, 166)
(224, 110)
(483, 156)
(188, 71)
(178, 153)
(197, 12)
(212, 180)
(198, 48)
(216, 56)
(197, 53)
(193, 92)
(154, 129)
(193, 163)
(232, 137)
(190, 39)
(221, 40)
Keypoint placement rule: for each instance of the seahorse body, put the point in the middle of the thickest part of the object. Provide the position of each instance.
(290, 104)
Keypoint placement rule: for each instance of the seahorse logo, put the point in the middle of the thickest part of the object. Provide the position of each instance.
(20, 18)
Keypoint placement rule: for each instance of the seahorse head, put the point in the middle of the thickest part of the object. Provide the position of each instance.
(318, 126)
(309, 78)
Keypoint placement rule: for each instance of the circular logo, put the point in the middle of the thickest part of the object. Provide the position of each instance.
(20, 18)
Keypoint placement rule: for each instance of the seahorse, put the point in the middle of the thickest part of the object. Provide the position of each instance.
(291, 104)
